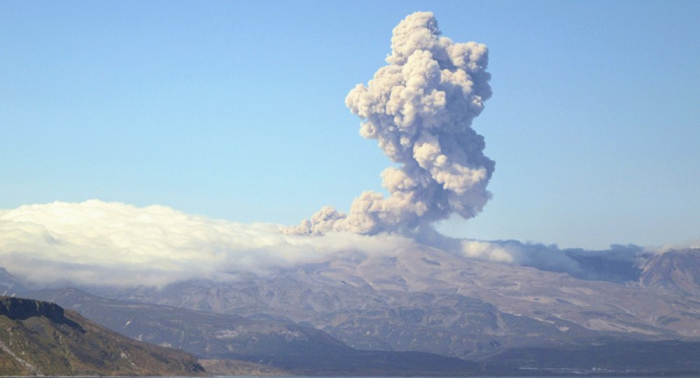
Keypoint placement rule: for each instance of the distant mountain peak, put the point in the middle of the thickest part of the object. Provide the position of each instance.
(9, 284)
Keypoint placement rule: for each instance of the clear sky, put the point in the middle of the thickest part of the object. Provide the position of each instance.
(235, 110)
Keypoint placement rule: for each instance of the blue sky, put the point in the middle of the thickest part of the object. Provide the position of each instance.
(235, 110)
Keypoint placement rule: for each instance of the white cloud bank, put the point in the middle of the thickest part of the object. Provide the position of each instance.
(115, 244)
(95, 242)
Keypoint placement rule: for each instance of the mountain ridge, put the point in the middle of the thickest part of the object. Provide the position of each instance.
(420, 300)
(675, 271)
(424, 299)
(274, 348)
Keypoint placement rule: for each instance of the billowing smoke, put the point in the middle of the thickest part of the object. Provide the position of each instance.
(420, 108)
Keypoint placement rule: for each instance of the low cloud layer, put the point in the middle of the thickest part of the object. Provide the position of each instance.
(420, 108)
(100, 243)
(619, 264)
(95, 242)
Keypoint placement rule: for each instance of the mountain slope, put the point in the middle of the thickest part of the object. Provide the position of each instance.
(424, 299)
(40, 338)
(605, 356)
(204, 334)
(276, 347)
(676, 271)
(9, 285)
(500, 318)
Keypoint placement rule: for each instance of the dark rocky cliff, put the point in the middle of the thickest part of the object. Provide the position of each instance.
(38, 338)
(22, 309)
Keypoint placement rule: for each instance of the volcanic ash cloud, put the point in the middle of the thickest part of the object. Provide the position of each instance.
(420, 108)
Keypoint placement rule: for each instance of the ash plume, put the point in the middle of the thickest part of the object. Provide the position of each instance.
(420, 108)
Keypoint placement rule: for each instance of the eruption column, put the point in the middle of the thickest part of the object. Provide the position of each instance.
(420, 108)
